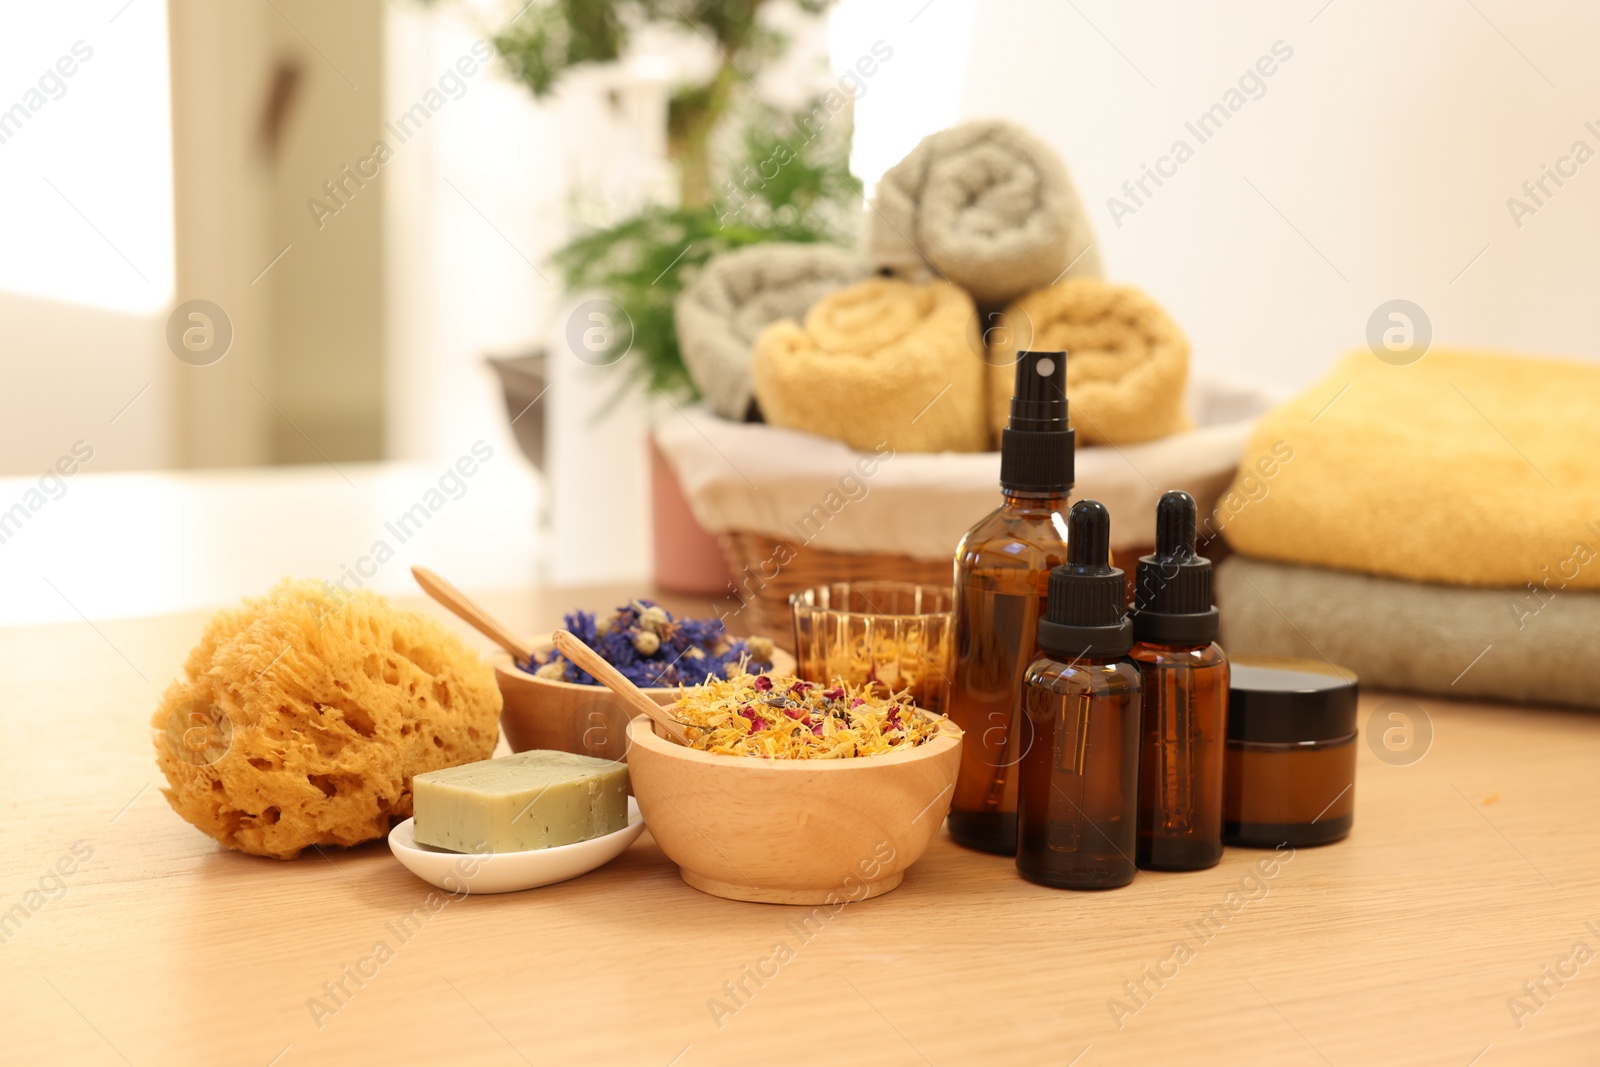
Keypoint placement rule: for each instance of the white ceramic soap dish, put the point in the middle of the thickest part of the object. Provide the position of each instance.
(507, 872)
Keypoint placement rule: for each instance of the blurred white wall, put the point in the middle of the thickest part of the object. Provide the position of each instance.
(470, 215)
(918, 88)
(86, 251)
(477, 202)
(1376, 163)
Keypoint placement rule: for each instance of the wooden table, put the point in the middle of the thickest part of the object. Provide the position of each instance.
(1468, 874)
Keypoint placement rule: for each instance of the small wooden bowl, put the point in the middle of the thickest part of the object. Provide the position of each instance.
(587, 719)
(793, 831)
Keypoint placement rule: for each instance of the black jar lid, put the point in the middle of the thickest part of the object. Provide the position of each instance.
(1282, 700)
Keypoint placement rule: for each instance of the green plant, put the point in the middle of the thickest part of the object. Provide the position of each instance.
(550, 37)
(642, 262)
(786, 178)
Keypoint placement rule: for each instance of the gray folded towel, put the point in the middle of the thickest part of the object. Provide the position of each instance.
(738, 294)
(1455, 641)
(986, 205)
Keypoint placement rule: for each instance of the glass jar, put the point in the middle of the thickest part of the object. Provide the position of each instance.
(1289, 771)
(894, 636)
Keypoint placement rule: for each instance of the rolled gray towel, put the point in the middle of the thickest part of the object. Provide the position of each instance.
(1449, 640)
(986, 205)
(738, 294)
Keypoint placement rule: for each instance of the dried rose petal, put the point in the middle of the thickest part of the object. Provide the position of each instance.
(795, 713)
(857, 702)
(800, 688)
(817, 730)
(837, 693)
(763, 683)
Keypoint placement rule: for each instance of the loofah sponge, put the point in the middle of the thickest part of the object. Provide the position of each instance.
(303, 715)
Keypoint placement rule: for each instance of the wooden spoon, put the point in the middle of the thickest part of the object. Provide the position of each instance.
(569, 646)
(464, 608)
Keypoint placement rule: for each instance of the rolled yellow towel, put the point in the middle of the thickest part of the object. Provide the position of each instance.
(882, 360)
(1127, 361)
(1463, 468)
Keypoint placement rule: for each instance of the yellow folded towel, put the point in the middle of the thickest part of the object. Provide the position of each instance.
(1465, 468)
(882, 360)
(1127, 361)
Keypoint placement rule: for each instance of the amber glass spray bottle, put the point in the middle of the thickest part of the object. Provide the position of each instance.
(1079, 789)
(1185, 679)
(1002, 572)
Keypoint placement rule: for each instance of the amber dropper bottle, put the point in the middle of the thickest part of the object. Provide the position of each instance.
(1185, 677)
(1079, 791)
(1002, 573)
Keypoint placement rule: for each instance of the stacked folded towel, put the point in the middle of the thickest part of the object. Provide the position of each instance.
(1453, 640)
(1434, 526)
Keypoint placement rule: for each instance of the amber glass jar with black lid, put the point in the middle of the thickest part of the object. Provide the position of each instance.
(1290, 768)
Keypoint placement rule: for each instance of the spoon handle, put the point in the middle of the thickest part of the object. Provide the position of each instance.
(569, 646)
(469, 612)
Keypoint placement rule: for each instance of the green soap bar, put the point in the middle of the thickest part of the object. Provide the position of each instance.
(535, 799)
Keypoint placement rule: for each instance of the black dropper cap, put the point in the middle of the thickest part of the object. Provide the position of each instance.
(1172, 587)
(1085, 614)
(1036, 447)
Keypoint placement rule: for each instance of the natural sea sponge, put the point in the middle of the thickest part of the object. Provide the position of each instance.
(302, 716)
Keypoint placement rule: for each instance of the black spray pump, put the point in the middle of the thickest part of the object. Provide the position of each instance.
(1036, 447)
(1172, 587)
(1085, 615)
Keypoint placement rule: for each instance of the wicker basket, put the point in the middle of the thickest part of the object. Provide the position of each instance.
(766, 600)
(906, 528)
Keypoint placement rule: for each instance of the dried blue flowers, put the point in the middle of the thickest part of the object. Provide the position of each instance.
(652, 648)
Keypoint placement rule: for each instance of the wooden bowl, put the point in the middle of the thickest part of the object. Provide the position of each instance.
(587, 719)
(793, 831)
